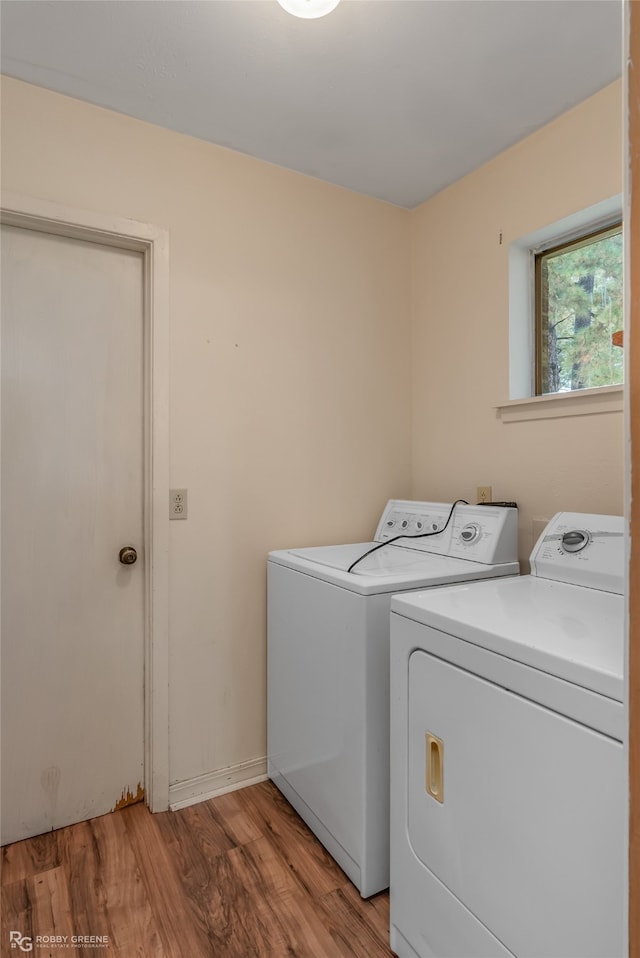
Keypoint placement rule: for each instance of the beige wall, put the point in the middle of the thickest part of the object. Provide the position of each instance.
(302, 316)
(460, 326)
(290, 403)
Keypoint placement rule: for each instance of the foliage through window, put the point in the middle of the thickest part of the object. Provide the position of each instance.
(579, 288)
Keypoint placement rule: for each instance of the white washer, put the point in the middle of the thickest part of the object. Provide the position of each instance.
(328, 666)
(507, 765)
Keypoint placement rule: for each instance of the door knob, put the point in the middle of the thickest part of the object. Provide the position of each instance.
(127, 555)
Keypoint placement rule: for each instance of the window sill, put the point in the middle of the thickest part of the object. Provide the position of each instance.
(583, 402)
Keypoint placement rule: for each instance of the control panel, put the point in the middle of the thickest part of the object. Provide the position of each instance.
(486, 534)
(582, 549)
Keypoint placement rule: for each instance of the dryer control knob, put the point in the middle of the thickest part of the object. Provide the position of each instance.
(575, 541)
(470, 533)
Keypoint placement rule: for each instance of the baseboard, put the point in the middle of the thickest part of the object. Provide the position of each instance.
(194, 790)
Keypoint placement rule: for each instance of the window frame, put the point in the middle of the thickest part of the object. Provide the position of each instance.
(566, 245)
(520, 402)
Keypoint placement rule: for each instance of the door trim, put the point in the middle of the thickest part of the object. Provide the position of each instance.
(153, 242)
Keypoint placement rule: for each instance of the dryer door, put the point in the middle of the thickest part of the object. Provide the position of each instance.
(518, 811)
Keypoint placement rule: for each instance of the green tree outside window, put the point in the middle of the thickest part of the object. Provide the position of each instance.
(579, 305)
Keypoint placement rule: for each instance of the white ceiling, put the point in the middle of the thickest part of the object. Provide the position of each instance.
(392, 98)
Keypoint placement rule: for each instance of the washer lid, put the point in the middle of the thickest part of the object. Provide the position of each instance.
(387, 570)
(334, 557)
(388, 561)
(574, 633)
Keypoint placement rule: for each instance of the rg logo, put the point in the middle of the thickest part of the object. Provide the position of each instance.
(18, 940)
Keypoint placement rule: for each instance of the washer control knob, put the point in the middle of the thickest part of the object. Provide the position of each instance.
(435, 527)
(404, 524)
(419, 525)
(391, 523)
(470, 533)
(575, 540)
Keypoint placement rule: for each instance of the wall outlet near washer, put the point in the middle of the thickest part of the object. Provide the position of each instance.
(483, 494)
(177, 503)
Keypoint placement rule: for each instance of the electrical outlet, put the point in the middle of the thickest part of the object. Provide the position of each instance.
(483, 494)
(177, 503)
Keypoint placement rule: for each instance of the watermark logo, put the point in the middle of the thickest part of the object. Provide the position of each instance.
(18, 940)
(50, 942)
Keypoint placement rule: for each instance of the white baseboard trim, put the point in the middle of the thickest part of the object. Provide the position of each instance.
(194, 790)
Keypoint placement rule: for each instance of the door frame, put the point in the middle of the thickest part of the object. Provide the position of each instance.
(632, 457)
(153, 242)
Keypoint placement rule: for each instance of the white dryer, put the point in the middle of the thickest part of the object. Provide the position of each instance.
(507, 764)
(328, 665)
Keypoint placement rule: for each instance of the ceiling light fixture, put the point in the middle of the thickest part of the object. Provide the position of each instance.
(309, 9)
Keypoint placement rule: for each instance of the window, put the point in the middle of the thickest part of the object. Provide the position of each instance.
(578, 308)
(529, 392)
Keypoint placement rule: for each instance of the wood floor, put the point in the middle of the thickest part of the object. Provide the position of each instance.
(239, 876)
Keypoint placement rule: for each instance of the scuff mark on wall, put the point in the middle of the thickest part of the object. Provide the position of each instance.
(50, 782)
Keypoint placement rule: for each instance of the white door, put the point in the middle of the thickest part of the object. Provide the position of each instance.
(72, 498)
